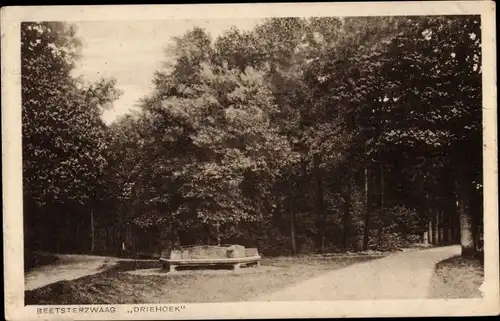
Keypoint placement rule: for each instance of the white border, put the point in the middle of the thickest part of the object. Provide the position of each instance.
(11, 156)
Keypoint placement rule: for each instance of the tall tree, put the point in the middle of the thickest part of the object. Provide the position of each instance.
(418, 73)
(278, 125)
(64, 138)
(210, 137)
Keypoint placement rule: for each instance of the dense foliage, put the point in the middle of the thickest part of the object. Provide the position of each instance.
(317, 134)
(64, 138)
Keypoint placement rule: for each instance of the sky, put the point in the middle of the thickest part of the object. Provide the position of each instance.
(131, 51)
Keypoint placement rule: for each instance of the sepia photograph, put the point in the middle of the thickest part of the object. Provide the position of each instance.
(244, 160)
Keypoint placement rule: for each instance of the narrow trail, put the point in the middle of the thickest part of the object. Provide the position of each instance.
(67, 267)
(405, 275)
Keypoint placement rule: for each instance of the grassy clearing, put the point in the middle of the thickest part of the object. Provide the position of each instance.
(115, 287)
(458, 278)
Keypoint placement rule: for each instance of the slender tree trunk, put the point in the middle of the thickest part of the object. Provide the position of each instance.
(447, 231)
(430, 229)
(380, 234)
(51, 228)
(425, 237)
(78, 227)
(177, 239)
(104, 240)
(217, 230)
(57, 236)
(446, 225)
(367, 213)
(455, 223)
(435, 232)
(207, 235)
(425, 209)
(292, 228)
(303, 182)
(382, 189)
(319, 201)
(441, 227)
(92, 232)
(466, 226)
(458, 237)
(347, 215)
(476, 210)
(382, 205)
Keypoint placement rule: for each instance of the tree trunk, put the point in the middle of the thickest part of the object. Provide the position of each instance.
(217, 230)
(367, 214)
(465, 219)
(382, 190)
(435, 228)
(441, 227)
(380, 234)
(450, 236)
(446, 227)
(177, 238)
(207, 235)
(57, 235)
(382, 205)
(92, 234)
(292, 228)
(431, 230)
(105, 240)
(346, 223)
(303, 190)
(466, 235)
(476, 213)
(319, 201)
(78, 227)
(304, 175)
(455, 223)
(425, 238)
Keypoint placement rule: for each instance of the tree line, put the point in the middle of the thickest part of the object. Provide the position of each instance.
(300, 135)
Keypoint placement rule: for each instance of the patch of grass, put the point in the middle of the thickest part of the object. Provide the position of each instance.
(113, 287)
(458, 278)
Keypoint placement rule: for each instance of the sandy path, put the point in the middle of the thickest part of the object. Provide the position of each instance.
(405, 275)
(68, 267)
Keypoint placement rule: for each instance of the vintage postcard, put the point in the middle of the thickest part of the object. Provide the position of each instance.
(250, 161)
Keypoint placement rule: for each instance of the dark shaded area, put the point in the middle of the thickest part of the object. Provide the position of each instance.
(37, 259)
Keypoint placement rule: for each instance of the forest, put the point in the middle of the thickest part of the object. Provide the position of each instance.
(302, 135)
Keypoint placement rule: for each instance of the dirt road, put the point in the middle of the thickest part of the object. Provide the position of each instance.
(68, 267)
(404, 275)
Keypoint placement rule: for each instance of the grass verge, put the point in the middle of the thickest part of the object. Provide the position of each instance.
(114, 287)
(458, 278)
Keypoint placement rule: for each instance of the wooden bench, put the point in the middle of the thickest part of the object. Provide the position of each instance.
(199, 256)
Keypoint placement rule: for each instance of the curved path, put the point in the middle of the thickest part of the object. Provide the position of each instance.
(67, 267)
(404, 275)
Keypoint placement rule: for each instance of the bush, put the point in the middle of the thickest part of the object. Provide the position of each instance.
(37, 259)
(397, 241)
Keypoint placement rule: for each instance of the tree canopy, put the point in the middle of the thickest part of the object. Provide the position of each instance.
(301, 134)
